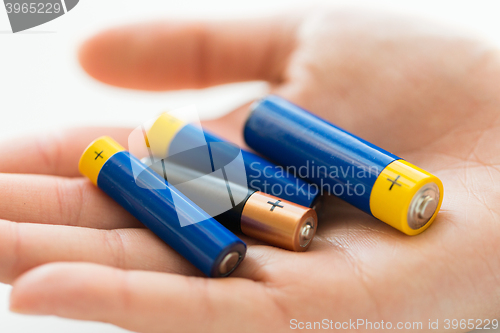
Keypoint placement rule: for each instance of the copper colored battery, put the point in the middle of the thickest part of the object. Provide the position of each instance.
(278, 222)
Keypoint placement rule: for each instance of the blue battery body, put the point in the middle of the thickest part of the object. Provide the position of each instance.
(262, 175)
(332, 157)
(146, 197)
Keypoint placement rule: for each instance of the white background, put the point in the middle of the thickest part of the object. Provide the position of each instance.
(42, 87)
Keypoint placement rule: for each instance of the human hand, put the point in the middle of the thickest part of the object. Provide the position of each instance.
(422, 92)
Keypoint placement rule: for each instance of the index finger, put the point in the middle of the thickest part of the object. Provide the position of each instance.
(55, 153)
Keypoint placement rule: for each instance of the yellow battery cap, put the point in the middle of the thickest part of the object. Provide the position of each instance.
(406, 197)
(162, 132)
(96, 154)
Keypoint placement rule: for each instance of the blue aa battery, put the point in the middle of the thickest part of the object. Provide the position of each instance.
(174, 218)
(366, 176)
(169, 136)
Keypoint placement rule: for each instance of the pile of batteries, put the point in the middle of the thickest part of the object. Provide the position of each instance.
(194, 190)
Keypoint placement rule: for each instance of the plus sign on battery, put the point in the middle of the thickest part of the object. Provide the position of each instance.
(275, 204)
(394, 182)
(99, 154)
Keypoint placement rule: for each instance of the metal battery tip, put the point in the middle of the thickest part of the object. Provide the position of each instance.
(423, 206)
(306, 233)
(229, 263)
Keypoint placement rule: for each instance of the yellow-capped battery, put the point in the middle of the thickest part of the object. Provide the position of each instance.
(173, 137)
(169, 214)
(343, 164)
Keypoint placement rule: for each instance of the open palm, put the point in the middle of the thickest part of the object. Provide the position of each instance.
(422, 92)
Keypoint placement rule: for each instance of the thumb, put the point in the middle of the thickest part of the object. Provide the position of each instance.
(145, 301)
(180, 55)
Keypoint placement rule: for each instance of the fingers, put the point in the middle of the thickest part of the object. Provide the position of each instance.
(58, 200)
(146, 302)
(55, 153)
(24, 246)
(178, 55)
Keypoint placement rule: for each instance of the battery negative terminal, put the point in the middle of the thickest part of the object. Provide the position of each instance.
(229, 263)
